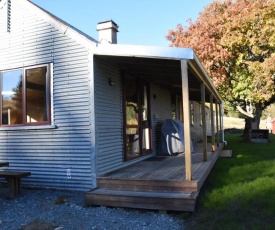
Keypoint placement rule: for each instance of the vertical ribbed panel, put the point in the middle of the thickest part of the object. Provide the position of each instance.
(161, 110)
(208, 122)
(109, 116)
(48, 153)
(109, 125)
(196, 128)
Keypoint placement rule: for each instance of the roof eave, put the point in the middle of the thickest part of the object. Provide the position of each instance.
(172, 53)
(144, 51)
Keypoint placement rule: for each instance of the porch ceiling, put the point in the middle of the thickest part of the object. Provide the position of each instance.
(164, 72)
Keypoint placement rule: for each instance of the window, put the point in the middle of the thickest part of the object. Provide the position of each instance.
(201, 115)
(25, 96)
(177, 110)
(192, 117)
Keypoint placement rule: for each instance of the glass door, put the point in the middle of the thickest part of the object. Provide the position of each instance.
(137, 118)
(145, 127)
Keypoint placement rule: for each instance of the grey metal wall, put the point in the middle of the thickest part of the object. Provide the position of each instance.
(48, 153)
(109, 125)
(196, 128)
(161, 110)
(109, 117)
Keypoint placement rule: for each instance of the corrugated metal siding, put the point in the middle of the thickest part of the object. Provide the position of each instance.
(109, 117)
(48, 153)
(161, 110)
(108, 107)
(196, 128)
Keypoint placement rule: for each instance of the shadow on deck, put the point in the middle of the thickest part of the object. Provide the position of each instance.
(155, 183)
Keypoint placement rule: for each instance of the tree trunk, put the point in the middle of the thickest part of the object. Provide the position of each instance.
(248, 126)
(252, 123)
(257, 118)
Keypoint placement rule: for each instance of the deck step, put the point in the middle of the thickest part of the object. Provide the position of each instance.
(154, 184)
(225, 153)
(173, 201)
(146, 185)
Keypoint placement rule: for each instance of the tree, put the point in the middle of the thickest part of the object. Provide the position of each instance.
(235, 41)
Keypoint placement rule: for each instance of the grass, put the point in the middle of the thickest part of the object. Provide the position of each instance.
(240, 191)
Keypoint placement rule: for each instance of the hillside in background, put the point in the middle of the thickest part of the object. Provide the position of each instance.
(238, 123)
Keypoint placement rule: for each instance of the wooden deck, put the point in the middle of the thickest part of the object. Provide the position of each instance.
(155, 183)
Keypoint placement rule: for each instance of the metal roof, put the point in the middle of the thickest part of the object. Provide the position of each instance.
(160, 65)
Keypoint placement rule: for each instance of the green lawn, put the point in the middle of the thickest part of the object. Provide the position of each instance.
(240, 191)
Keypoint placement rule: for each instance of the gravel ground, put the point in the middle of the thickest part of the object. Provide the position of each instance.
(50, 209)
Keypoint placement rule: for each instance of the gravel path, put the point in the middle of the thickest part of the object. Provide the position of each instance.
(48, 209)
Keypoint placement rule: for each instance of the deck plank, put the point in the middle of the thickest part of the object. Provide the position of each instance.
(162, 168)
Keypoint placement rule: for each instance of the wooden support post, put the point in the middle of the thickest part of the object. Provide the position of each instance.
(212, 123)
(14, 187)
(14, 181)
(186, 120)
(204, 136)
(217, 124)
(221, 122)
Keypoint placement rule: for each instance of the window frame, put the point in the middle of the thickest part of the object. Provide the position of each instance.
(24, 102)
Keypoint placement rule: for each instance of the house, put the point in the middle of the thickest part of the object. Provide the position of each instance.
(75, 109)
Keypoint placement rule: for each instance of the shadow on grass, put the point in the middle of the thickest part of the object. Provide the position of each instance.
(240, 191)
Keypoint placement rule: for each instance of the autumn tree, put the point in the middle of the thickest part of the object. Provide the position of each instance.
(235, 41)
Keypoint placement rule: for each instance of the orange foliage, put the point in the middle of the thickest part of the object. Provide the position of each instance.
(235, 41)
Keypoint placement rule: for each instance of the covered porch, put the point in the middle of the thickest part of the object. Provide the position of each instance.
(151, 181)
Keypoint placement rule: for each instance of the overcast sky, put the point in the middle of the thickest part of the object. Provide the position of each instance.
(141, 22)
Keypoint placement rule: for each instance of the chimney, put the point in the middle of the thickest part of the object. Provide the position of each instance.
(107, 31)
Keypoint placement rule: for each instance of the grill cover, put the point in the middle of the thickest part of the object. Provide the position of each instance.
(172, 138)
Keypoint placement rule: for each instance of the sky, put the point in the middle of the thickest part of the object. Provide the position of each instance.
(141, 22)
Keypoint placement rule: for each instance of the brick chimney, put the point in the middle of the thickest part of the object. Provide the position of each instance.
(107, 31)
